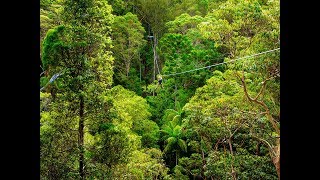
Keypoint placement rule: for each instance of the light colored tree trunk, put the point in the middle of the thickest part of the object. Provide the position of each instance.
(154, 56)
(276, 158)
(275, 148)
(140, 66)
(81, 139)
(233, 172)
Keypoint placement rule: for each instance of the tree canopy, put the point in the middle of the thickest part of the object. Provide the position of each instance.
(214, 115)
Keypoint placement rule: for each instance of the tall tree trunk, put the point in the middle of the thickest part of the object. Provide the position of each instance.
(233, 172)
(176, 157)
(175, 97)
(128, 63)
(140, 66)
(81, 140)
(276, 158)
(258, 148)
(53, 94)
(154, 58)
(274, 149)
(203, 164)
(127, 68)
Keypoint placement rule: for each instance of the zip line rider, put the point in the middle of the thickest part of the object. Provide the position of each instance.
(159, 80)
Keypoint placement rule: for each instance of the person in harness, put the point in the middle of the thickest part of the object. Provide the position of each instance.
(159, 80)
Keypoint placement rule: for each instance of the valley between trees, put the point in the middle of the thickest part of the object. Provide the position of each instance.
(215, 114)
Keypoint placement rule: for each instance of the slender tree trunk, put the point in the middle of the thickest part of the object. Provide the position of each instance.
(258, 149)
(203, 164)
(276, 158)
(128, 60)
(175, 97)
(176, 157)
(140, 72)
(53, 94)
(127, 68)
(140, 66)
(233, 172)
(154, 58)
(203, 160)
(81, 140)
(274, 149)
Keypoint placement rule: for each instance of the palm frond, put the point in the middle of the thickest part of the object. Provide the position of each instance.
(182, 144)
(177, 131)
(177, 120)
(167, 129)
(170, 143)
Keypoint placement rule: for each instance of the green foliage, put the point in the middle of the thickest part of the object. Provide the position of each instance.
(173, 115)
(235, 26)
(133, 113)
(246, 165)
(149, 132)
(118, 7)
(173, 135)
(184, 23)
(173, 138)
(216, 111)
(58, 138)
(155, 13)
(43, 81)
(78, 50)
(174, 46)
(131, 108)
(190, 166)
(179, 173)
(161, 102)
(115, 141)
(197, 125)
(131, 82)
(50, 11)
(128, 41)
(50, 46)
(191, 7)
(144, 164)
(179, 55)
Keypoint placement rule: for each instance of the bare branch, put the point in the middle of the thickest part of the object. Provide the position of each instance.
(264, 83)
(216, 145)
(270, 118)
(266, 143)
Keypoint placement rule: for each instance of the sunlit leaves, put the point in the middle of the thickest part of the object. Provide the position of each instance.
(127, 40)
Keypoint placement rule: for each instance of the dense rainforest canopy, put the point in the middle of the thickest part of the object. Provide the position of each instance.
(214, 115)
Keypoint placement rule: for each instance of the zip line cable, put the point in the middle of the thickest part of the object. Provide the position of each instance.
(157, 64)
(245, 57)
(55, 76)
